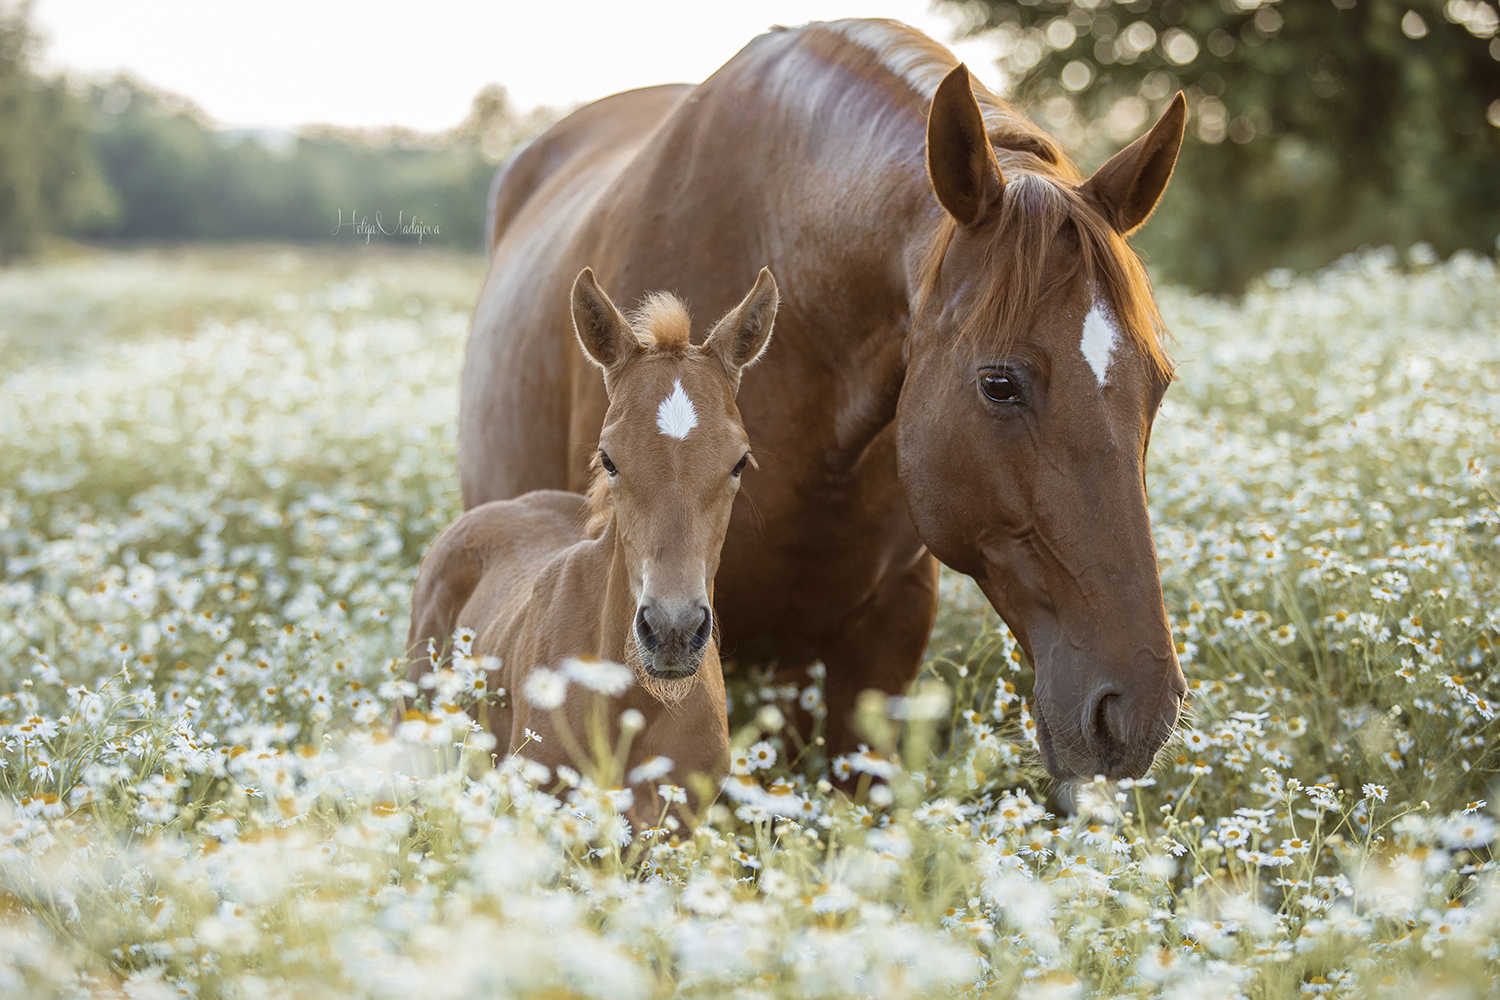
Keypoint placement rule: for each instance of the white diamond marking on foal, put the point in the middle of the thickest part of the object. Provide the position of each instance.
(675, 417)
(1100, 335)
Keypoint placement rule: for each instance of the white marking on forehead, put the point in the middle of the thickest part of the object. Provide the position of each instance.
(1100, 335)
(675, 417)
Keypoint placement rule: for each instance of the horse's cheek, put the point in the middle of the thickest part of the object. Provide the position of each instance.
(936, 476)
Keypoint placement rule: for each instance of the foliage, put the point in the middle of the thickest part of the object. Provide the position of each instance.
(120, 160)
(49, 177)
(177, 177)
(1318, 126)
(209, 545)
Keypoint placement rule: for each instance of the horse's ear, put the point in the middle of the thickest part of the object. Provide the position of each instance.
(602, 331)
(740, 338)
(1131, 183)
(960, 160)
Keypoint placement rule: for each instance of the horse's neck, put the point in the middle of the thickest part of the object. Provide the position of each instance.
(863, 192)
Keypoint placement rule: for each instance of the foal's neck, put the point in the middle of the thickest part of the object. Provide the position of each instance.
(605, 563)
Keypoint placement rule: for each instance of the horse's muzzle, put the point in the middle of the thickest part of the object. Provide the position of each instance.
(1114, 731)
(672, 635)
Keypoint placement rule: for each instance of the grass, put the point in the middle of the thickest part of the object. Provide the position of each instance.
(218, 470)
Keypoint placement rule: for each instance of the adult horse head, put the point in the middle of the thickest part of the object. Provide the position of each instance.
(1034, 372)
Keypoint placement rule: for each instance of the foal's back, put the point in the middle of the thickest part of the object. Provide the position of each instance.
(480, 571)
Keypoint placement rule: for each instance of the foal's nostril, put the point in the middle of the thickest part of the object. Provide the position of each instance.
(644, 631)
(705, 630)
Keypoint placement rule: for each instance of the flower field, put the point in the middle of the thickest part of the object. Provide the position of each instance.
(210, 519)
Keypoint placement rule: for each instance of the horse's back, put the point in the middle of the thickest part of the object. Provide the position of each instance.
(576, 143)
(481, 567)
(514, 413)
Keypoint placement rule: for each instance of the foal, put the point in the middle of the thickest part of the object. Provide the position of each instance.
(626, 573)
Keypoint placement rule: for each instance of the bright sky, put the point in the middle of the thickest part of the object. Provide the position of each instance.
(379, 62)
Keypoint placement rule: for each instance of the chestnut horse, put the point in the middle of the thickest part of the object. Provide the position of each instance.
(968, 365)
(625, 574)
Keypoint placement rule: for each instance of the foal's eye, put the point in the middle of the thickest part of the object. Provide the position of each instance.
(609, 466)
(1000, 387)
(740, 465)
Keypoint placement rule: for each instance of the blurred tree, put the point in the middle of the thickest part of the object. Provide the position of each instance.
(124, 161)
(49, 178)
(495, 124)
(178, 177)
(1318, 125)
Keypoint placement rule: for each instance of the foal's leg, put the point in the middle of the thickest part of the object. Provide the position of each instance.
(880, 646)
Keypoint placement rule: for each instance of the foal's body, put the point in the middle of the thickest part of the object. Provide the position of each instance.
(536, 590)
(624, 574)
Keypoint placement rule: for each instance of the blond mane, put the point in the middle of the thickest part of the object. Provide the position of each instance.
(601, 509)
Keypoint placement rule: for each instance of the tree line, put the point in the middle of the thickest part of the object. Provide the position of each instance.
(121, 161)
(1318, 126)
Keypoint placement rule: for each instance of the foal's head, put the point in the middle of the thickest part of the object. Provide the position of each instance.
(1035, 372)
(670, 457)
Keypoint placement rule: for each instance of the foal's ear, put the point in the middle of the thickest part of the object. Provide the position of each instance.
(1131, 183)
(602, 331)
(960, 160)
(740, 338)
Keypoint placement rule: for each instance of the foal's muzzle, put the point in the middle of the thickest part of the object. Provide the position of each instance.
(672, 636)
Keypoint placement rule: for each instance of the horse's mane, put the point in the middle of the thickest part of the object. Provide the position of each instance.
(1038, 215)
(662, 326)
(1041, 205)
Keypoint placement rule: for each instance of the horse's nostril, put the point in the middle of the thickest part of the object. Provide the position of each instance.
(705, 630)
(643, 630)
(1101, 735)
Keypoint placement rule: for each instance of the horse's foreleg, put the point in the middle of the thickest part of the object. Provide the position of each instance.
(880, 646)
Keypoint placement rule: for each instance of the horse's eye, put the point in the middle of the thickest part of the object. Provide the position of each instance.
(1000, 387)
(609, 466)
(740, 465)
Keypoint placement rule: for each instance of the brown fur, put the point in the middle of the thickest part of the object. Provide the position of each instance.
(600, 509)
(823, 150)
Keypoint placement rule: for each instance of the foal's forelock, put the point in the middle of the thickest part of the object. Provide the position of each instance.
(661, 323)
(1025, 263)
